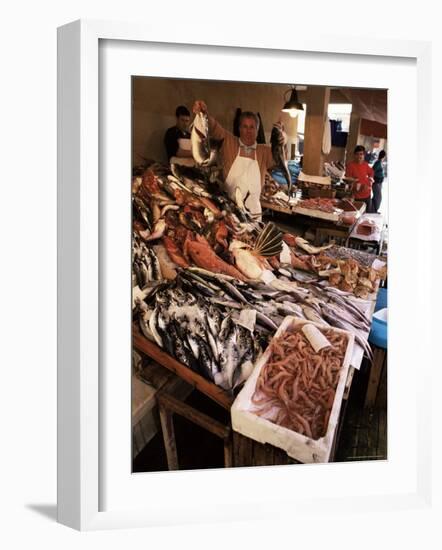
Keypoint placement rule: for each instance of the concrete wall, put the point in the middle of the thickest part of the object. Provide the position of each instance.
(155, 100)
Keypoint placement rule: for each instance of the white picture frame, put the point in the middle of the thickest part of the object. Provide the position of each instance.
(80, 445)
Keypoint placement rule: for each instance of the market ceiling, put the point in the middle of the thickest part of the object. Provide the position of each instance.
(369, 104)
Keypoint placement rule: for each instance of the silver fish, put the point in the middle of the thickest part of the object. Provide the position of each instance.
(279, 153)
(157, 232)
(199, 138)
(143, 211)
(204, 150)
(153, 327)
(229, 359)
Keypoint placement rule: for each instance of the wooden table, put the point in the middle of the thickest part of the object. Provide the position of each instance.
(325, 229)
(169, 406)
(146, 347)
(360, 243)
(239, 450)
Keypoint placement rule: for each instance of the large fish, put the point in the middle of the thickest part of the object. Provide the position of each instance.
(279, 152)
(204, 256)
(204, 149)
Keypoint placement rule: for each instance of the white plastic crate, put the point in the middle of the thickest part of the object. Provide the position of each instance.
(297, 446)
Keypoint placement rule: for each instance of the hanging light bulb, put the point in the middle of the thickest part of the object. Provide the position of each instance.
(292, 106)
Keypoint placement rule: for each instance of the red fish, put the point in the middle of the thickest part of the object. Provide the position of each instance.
(221, 234)
(150, 182)
(174, 252)
(203, 255)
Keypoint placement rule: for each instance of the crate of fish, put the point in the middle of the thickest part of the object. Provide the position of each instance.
(293, 397)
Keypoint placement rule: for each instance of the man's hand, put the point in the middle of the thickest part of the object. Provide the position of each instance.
(199, 107)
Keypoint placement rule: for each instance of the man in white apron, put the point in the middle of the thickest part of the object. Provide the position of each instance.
(244, 173)
(245, 162)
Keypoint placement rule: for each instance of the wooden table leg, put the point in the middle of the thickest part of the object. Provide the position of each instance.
(242, 450)
(166, 418)
(379, 360)
(168, 406)
(338, 431)
(228, 452)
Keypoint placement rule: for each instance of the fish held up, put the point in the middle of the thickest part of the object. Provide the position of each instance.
(277, 140)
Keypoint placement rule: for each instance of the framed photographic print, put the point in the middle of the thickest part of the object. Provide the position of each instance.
(230, 225)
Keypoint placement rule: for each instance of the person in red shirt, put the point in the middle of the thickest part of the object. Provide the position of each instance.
(363, 173)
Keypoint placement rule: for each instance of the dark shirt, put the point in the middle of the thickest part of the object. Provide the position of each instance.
(378, 172)
(171, 138)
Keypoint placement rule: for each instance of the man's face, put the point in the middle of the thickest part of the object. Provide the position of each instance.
(248, 131)
(359, 157)
(183, 122)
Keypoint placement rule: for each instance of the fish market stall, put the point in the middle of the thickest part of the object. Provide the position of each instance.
(329, 219)
(368, 232)
(251, 291)
(212, 286)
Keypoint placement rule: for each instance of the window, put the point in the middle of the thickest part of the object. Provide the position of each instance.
(301, 120)
(341, 112)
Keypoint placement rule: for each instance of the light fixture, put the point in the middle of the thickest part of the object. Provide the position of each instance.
(292, 106)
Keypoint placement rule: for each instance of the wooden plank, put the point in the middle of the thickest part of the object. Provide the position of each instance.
(145, 346)
(338, 431)
(270, 454)
(235, 448)
(382, 446)
(259, 456)
(379, 358)
(348, 383)
(363, 441)
(280, 458)
(242, 450)
(276, 207)
(317, 214)
(228, 452)
(169, 438)
(176, 406)
(154, 374)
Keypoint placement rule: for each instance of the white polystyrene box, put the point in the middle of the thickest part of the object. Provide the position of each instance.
(297, 446)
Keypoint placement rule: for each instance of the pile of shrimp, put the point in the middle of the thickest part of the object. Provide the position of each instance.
(296, 387)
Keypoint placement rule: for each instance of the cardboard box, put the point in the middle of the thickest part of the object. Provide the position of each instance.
(297, 446)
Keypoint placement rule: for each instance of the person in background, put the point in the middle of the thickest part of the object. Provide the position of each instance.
(363, 173)
(378, 170)
(177, 138)
(245, 162)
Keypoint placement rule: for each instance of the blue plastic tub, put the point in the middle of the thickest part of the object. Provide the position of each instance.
(382, 299)
(378, 333)
(278, 175)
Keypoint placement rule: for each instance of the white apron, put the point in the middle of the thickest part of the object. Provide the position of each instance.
(244, 174)
(186, 145)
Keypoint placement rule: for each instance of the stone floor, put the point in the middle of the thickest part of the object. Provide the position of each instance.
(364, 433)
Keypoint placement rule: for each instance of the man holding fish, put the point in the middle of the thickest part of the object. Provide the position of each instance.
(245, 162)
